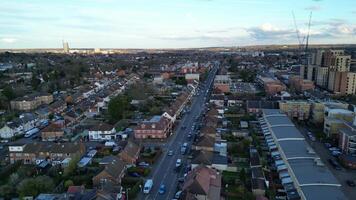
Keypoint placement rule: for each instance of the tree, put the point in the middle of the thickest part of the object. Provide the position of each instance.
(242, 175)
(35, 83)
(9, 93)
(68, 183)
(72, 166)
(35, 186)
(118, 108)
(14, 179)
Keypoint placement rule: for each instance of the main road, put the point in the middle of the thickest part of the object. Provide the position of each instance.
(164, 172)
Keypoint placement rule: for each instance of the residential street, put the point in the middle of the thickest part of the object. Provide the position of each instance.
(164, 171)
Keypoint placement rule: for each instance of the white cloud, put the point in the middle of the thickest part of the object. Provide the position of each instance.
(8, 40)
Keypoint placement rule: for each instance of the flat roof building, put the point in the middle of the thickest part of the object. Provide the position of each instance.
(308, 174)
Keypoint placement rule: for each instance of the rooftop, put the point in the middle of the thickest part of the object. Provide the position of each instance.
(311, 175)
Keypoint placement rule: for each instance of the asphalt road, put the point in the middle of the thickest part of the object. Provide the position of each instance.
(164, 171)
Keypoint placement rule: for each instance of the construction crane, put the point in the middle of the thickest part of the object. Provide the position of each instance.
(307, 42)
(303, 48)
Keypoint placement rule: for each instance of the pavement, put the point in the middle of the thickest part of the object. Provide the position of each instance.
(340, 175)
(164, 172)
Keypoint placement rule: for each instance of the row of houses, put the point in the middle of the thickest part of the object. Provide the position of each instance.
(161, 126)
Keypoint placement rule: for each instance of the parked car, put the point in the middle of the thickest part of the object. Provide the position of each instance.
(178, 194)
(334, 164)
(336, 153)
(143, 164)
(350, 183)
(327, 145)
(334, 149)
(162, 189)
(134, 174)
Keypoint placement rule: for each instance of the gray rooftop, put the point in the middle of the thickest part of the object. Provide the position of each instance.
(315, 180)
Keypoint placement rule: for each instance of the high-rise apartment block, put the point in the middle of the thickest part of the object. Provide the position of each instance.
(330, 69)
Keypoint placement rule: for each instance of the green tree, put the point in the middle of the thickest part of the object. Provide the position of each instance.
(7, 191)
(118, 108)
(68, 183)
(72, 166)
(9, 93)
(242, 175)
(35, 83)
(35, 186)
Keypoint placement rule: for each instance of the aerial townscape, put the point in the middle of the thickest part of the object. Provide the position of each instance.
(266, 115)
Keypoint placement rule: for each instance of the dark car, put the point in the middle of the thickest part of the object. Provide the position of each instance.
(334, 164)
(350, 183)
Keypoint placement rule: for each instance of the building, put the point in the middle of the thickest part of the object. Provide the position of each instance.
(336, 60)
(337, 82)
(202, 183)
(102, 132)
(156, 127)
(319, 108)
(54, 153)
(350, 83)
(130, 153)
(111, 175)
(190, 78)
(334, 120)
(301, 85)
(302, 173)
(296, 109)
(271, 86)
(322, 74)
(31, 102)
(256, 106)
(52, 132)
(347, 138)
(222, 83)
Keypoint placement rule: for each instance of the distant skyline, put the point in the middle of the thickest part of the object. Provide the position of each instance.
(172, 23)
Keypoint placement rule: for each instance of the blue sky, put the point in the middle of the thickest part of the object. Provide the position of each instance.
(172, 23)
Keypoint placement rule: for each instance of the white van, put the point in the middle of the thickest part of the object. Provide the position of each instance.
(148, 186)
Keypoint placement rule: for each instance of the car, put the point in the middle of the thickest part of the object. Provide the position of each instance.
(162, 189)
(170, 153)
(334, 149)
(336, 153)
(181, 180)
(143, 164)
(134, 174)
(178, 194)
(327, 145)
(148, 186)
(312, 138)
(350, 183)
(334, 164)
(178, 163)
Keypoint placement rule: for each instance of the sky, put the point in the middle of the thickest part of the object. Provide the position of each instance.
(173, 23)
